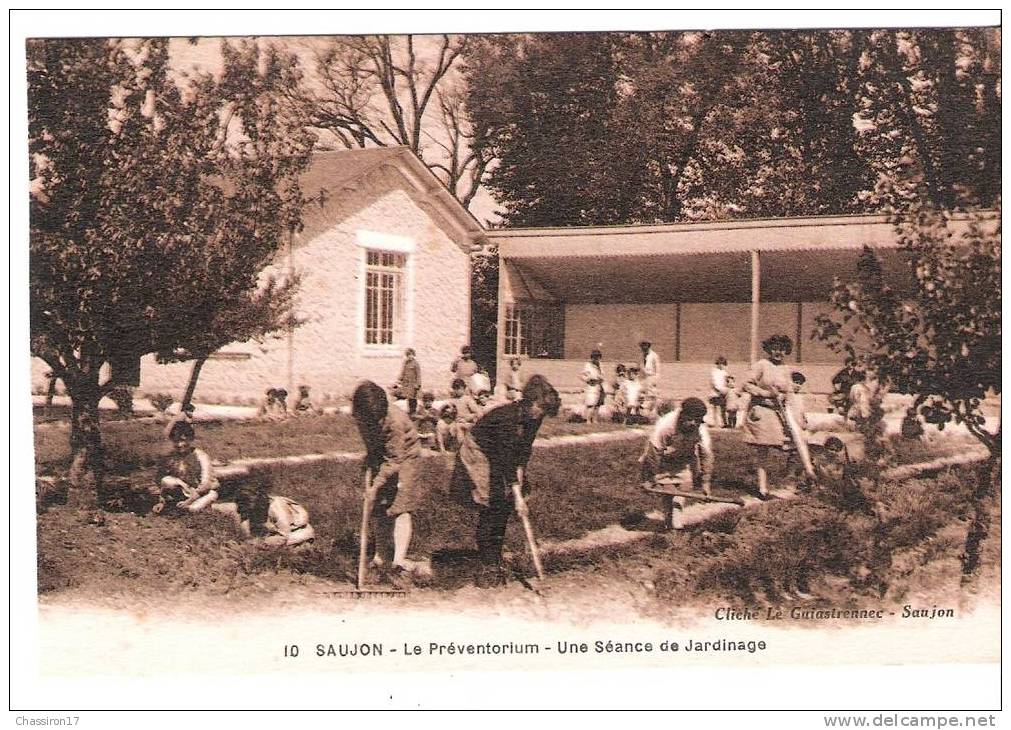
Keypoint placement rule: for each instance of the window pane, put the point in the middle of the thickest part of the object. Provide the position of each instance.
(384, 297)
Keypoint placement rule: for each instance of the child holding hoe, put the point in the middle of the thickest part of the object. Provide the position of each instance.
(493, 456)
(680, 443)
(393, 455)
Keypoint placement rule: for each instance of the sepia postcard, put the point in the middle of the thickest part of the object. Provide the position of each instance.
(411, 354)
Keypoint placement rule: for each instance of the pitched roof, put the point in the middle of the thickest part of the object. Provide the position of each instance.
(330, 169)
(331, 174)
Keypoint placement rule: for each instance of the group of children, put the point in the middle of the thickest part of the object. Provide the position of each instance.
(492, 456)
(274, 406)
(493, 443)
(633, 390)
(631, 399)
(443, 428)
(680, 444)
(493, 438)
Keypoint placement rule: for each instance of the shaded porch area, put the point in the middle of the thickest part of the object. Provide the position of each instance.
(696, 291)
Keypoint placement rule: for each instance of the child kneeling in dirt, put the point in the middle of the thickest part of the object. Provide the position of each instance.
(185, 477)
(270, 520)
(680, 443)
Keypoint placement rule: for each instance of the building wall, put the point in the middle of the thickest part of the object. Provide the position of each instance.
(710, 330)
(618, 329)
(329, 354)
(707, 330)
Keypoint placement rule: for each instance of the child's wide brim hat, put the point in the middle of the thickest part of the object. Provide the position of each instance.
(480, 383)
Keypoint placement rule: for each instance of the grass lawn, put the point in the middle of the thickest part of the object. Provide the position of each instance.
(137, 443)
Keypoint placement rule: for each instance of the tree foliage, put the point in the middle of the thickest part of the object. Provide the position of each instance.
(541, 108)
(484, 307)
(155, 206)
(941, 341)
(663, 127)
(930, 111)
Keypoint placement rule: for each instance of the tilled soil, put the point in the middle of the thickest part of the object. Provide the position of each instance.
(781, 551)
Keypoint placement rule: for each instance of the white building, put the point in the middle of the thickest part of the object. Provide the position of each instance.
(384, 257)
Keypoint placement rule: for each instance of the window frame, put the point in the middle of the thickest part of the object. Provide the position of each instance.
(517, 314)
(401, 324)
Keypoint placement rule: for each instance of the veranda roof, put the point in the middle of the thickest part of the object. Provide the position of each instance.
(701, 262)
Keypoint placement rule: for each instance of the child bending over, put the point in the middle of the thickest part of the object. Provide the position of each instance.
(393, 454)
(680, 445)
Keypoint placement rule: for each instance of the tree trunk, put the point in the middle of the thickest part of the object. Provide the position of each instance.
(983, 496)
(86, 466)
(192, 385)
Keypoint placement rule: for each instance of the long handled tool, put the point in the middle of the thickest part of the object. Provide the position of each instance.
(523, 512)
(799, 438)
(368, 501)
(673, 490)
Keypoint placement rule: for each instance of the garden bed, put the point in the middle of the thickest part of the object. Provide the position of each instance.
(818, 544)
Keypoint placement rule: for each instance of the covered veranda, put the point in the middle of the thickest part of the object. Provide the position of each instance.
(695, 290)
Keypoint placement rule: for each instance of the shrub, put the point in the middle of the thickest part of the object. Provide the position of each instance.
(161, 401)
(776, 550)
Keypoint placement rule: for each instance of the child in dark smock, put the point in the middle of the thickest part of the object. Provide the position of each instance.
(493, 456)
(409, 382)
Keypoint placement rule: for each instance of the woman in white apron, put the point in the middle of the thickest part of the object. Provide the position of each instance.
(769, 386)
